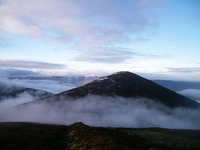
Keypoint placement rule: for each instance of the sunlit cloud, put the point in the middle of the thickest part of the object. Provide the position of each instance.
(76, 21)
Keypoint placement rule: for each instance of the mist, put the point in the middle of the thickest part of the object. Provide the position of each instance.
(45, 85)
(8, 103)
(105, 112)
(191, 93)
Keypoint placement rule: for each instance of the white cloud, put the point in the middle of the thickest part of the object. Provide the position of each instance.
(47, 82)
(191, 93)
(77, 21)
(111, 54)
(11, 102)
(105, 55)
(81, 24)
(45, 85)
(105, 111)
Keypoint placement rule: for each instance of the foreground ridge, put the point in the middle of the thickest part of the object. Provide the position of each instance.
(80, 136)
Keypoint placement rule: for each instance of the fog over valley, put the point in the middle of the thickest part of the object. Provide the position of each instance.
(101, 111)
(92, 110)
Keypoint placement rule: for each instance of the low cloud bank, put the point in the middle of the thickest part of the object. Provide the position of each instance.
(45, 85)
(9, 103)
(104, 111)
(16, 72)
(191, 93)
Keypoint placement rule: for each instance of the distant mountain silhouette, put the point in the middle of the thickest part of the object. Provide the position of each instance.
(130, 85)
(178, 85)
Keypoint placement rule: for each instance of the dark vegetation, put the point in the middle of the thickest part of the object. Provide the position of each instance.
(30, 136)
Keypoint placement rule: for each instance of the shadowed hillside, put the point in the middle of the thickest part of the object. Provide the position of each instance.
(30, 136)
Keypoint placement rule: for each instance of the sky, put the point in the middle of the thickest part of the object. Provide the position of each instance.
(154, 38)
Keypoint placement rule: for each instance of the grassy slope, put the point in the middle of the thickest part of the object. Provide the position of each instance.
(29, 136)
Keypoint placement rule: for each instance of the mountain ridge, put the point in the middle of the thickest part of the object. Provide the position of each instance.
(130, 85)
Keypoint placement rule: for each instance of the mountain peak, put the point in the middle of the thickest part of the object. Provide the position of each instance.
(122, 72)
(129, 85)
(119, 78)
(113, 85)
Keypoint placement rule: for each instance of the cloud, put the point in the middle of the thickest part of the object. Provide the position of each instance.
(12, 102)
(184, 69)
(17, 72)
(105, 55)
(110, 55)
(15, 77)
(105, 111)
(29, 64)
(50, 83)
(191, 93)
(77, 21)
(45, 85)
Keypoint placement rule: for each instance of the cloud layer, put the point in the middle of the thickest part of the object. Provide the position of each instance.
(191, 93)
(81, 24)
(16, 72)
(105, 111)
(45, 85)
(105, 55)
(35, 80)
(8, 103)
(29, 64)
(75, 20)
(184, 69)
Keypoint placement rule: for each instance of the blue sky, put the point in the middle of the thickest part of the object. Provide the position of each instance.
(159, 38)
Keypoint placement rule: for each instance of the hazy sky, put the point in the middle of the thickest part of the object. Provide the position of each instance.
(157, 37)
